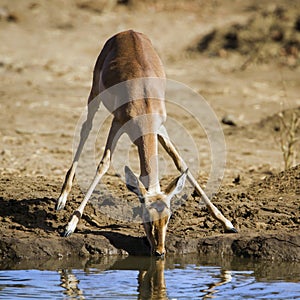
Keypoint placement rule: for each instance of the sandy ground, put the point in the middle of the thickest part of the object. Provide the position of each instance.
(242, 56)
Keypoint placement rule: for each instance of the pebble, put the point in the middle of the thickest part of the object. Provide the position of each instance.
(229, 120)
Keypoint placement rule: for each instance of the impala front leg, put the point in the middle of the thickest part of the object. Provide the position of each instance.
(66, 188)
(181, 166)
(84, 133)
(103, 166)
(101, 170)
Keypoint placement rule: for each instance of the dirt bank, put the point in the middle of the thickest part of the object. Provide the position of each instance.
(266, 214)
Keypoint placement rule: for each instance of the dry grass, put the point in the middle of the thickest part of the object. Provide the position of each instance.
(288, 138)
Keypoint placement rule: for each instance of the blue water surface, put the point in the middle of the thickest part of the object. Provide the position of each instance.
(138, 278)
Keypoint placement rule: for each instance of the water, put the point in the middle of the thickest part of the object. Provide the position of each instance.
(185, 277)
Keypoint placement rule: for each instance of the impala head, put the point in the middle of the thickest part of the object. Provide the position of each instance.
(156, 208)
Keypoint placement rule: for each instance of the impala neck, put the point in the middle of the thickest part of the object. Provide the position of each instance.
(147, 147)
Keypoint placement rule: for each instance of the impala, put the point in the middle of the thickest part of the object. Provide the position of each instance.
(128, 60)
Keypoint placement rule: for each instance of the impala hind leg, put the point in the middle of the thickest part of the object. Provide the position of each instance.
(84, 133)
(102, 168)
(181, 166)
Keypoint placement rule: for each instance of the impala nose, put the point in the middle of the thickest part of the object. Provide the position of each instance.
(159, 254)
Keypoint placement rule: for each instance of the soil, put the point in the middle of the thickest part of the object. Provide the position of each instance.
(242, 56)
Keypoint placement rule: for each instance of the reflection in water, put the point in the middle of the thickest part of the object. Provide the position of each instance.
(224, 278)
(180, 277)
(151, 282)
(150, 279)
(70, 283)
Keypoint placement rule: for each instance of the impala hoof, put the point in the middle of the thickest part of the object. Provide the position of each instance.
(67, 233)
(231, 230)
(72, 224)
(59, 207)
(61, 202)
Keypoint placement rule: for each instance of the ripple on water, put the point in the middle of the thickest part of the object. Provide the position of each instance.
(147, 278)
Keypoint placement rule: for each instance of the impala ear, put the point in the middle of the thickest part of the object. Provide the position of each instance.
(134, 185)
(176, 186)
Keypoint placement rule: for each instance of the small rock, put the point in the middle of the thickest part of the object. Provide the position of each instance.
(237, 179)
(229, 120)
(7, 16)
(276, 34)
